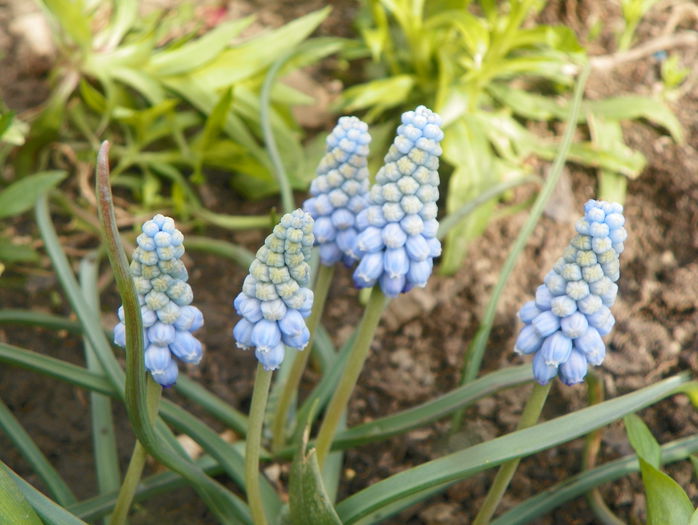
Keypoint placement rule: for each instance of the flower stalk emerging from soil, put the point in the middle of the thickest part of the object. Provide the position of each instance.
(564, 325)
(397, 242)
(273, 304)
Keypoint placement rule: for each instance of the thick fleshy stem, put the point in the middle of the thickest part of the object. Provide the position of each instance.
(137, 462)
(529, 417)
(300, 359)
(357, 357)
(254, 440)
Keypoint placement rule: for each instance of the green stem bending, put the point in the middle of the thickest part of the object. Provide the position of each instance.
(260, 394)
(300, 359)
(135, 466)
(217, 498)
(529, 417)
(357, 357)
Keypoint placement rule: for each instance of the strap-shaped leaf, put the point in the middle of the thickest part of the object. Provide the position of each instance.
(14, 509)
(465, 463)
(20, 196)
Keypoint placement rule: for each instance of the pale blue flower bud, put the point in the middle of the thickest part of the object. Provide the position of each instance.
(165, 296)
(529, 340)
(574, 369)
(272, 358)
(564, 325)
(120, 335)
(186, 348)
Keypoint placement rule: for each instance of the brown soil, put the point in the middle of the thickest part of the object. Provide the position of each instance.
(418, 350)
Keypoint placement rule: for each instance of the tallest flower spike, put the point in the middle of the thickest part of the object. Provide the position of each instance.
(397, 240)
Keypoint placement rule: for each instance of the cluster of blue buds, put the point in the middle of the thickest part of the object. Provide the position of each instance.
(397, 240)
(165, 298)
(339, 192)
(275, 298)
(571, 312)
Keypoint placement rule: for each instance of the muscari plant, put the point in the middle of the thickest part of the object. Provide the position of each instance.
(395, 240)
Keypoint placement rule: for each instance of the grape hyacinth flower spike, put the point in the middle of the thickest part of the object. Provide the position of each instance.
(275, 299)
(340, 191)
(397, 240)
(165, 297)
(564, 325)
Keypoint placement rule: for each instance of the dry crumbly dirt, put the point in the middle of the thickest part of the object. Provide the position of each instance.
(418, 350)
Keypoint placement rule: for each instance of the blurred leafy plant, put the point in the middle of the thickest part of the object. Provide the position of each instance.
(488, 72)
(175, 97)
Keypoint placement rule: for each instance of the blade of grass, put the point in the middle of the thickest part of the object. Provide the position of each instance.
(50, 512)
(225, 249)
(467, 462)
(191, 390)
(476, 348)
(228, 455)
(33, 455)
(103, 436)
(269, 140)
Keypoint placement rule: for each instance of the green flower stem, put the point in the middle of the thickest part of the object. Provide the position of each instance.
(300, 359)
(531, 413)
(135, 466)
(260, 394)
(357, 357)
(612, 186)
(591, 450)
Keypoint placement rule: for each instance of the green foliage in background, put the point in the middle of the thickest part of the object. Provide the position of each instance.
(175, 97)
(488, 71)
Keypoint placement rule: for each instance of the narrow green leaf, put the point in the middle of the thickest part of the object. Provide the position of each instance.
(666, 500)
(199, 52)
(72, 19)
(463, 464)
(434, 409)
(642, 440)
(308, 500)
(694, 462)
(33, 455)
(607, 136)
(20, 196)
(14, 509)
(123, 19)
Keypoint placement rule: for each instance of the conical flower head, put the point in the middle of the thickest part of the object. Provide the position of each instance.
(340, 191)
(397, 232)
(565, 323)
(169, 320)
(275, 297)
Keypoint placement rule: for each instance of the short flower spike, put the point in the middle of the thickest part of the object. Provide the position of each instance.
(340, 191)
(275, 298)
(165, 297)
(563, 326)
(397, 240)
